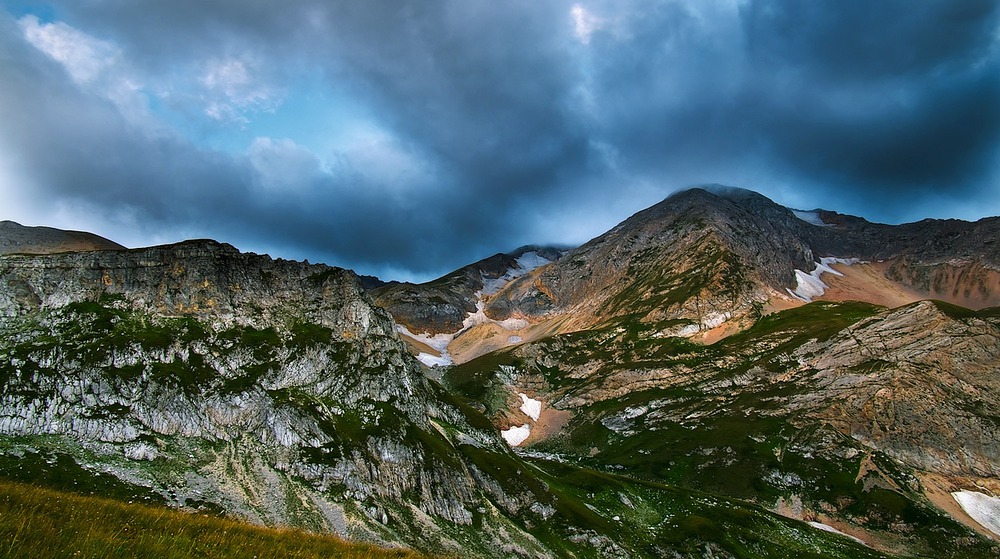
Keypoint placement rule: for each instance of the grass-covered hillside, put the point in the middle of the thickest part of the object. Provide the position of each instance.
(37, 522)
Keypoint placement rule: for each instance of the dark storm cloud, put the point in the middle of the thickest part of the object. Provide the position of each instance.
(507, 121)
(887, 98)
(866, 100)
(442, 93)
(856, 40)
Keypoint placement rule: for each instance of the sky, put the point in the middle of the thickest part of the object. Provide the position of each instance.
(405, 139)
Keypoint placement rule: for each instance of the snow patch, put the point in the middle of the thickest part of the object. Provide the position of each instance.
(479, 317)
(531, 408)
(812, 218)
(687, 331)
(832, 530)
(809, 285)
(513, 323)
(438, 341)
(531, 260)
(516, 435)
(515, 339)
(983, 508)
(434, 360)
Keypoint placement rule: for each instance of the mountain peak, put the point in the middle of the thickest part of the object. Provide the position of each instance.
(720, 202)
(725, 191)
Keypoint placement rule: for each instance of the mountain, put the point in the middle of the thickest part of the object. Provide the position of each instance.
(717, 376)
(267, 389)
(705, 258)
(708, 262)
(678, 366)
(16, 238)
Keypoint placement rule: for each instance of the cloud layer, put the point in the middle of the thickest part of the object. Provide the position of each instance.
(409, 138)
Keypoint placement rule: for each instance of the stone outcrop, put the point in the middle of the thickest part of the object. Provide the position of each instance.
(274, 390)
(914, 382)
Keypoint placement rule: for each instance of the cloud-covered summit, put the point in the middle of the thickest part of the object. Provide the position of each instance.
(409, 138)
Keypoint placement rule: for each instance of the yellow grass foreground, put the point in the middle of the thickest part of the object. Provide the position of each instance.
(36, 522)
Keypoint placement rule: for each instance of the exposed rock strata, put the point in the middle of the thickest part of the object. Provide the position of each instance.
(212, 375)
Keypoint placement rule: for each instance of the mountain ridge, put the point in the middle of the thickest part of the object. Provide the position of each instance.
(756, 254)
(17, 238)
(674, 392)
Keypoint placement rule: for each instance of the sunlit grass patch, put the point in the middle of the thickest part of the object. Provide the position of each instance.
(37, 522)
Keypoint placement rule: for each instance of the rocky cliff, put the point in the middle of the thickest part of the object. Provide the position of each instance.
(270, 389)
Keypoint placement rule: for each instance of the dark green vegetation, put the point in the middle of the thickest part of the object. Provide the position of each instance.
(613, 514)
(37, 522)
(191, 356)
(722, 419)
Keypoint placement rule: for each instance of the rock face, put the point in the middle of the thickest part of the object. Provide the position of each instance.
(272, 389)
(916, 382)
(16, 238)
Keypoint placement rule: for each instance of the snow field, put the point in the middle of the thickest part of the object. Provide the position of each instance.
(983, 508)
(516, 435)
(809, 285)
(531, 408)
(438, 341)
(526, 263)
(811, 218)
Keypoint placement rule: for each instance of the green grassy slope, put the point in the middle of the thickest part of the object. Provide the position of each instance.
(37, 522)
